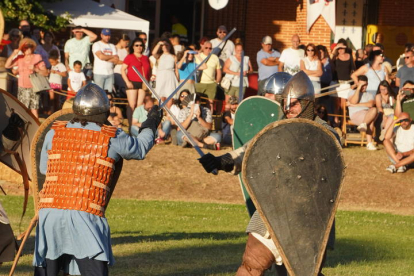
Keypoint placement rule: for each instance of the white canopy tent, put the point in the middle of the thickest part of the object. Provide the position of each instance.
(90, 14)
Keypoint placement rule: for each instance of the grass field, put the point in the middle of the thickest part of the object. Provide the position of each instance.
(186, 238)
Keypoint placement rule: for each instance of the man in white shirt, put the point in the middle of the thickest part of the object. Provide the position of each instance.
(289, 61)
(105, 58)
(399, 143)
(227, 48)
(78, 47)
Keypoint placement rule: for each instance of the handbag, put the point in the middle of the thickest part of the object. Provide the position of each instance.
(225, 83)
(39, 82)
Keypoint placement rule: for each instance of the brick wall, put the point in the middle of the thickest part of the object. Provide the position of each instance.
(395, 13)
(278, 18)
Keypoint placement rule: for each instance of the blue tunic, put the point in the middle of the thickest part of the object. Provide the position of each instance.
(78, 233)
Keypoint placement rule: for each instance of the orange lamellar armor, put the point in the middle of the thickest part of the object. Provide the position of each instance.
(78, 170)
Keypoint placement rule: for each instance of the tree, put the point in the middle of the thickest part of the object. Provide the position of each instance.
(33, 11)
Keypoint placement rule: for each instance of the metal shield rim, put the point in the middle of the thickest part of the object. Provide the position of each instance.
(259, 209)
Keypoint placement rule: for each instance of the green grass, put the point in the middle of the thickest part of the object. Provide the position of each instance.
(180, 238)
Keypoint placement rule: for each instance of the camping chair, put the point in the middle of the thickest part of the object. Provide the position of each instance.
(349, 138)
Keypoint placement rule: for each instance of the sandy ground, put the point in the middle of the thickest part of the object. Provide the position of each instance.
(173, 173)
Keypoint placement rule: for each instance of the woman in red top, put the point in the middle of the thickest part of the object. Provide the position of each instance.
(27, 62)
(135, 93)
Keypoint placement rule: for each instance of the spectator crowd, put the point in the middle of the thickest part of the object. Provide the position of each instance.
(374, 89)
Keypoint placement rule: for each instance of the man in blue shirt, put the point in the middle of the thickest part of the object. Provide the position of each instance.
(268, 62)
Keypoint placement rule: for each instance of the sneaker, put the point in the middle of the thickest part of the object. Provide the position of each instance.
(401, 169)
(362, 127)
(371, 146)
(391, 169)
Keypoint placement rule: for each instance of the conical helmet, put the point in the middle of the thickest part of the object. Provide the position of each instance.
(276, 83)
(299, 87)
(90, 100)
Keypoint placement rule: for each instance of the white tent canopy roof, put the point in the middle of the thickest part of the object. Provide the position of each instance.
(90, 14)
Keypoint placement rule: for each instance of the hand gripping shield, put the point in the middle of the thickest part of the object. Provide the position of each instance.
(293, 170)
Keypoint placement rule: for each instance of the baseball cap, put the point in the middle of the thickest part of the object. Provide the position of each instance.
(106, 32)
(222, 27)
(267, 40)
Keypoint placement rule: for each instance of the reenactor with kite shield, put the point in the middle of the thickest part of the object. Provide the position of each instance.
(80, 160)
(293, 169)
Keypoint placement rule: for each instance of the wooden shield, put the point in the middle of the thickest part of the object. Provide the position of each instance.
(252, 115)
(9, 103)
(37, 144)
(293, 169)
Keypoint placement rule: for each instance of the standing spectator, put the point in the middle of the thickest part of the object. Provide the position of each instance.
(232, 70)
(268, 62)
(15, 35)
(384, 101)
(144, 38)
(57, 72)
(175, 41)
(399, 142)
(78, 48)
(135, 92)
(166, 77)
(406, 72)
(362, 109)
(343, 64)
(24, 27)
(401, 60)
(312, 66)
(105, 57)
(228, 120)
(49, 46)
(290, 59)
(359, 58)
(27, 62)
(327, 76)
(76, 79)
(179, 29)
(374, 70)
(368, 49)
(122, 51)
(185, 67)
(388, 63)
(227, 48)
(211, 76)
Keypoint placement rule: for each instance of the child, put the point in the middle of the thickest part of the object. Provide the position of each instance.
(76, 79)
(57, 71)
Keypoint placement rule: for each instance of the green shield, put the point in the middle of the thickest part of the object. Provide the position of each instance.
(252, 115)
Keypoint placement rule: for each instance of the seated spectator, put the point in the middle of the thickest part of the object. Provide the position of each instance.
(175, 109)
(322, 113)
(405, 96)
(406, 72)
(115, 113)
(384, 101)
(228, 121)
(362, 109)
(399, 144)
(140, 115)
(76, 79)
(198, 121)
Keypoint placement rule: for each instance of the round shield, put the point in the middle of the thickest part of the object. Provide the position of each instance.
(293, 170)
(252, 115)
(37, 144)
(9, 104)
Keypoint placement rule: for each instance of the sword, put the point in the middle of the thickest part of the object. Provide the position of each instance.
(215, 51)
(180, 126)
(241, 77)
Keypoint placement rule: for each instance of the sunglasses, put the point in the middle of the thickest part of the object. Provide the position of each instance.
(222, 32)
(208, 48)
(404, 120)
(183, 96)
(310, 50)
(138, 45)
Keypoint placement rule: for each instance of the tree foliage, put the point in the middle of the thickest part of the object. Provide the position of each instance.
(33, 11)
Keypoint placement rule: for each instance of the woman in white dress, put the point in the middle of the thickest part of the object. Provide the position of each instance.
(312, 66)
(167, 80)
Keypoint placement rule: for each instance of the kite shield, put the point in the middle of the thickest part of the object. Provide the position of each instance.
(293, 170)
(252, 115)
(36, 149)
